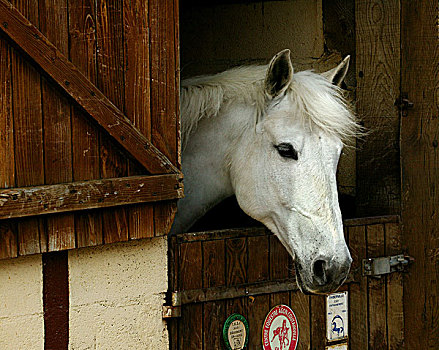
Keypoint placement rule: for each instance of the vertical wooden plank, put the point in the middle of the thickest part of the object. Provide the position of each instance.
(137, 99)
(28, 133)
(174, 271)
(258, 271)
(57, 125)
(85, 136)
(8, 233)
(300, 304)
(358, 309)
(318, 321)
(56, 300)
(163, 17)
(420, 172)
(279, 269)
(377, 291)
(110, 59)
(395, 310)
(236, 272)
(378, 86)
(191, 277)
(214, 313)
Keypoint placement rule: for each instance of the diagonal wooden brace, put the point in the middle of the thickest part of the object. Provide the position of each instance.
(29, 39)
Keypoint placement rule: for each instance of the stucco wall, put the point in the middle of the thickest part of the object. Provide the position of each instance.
(21, 304)
(116, 296)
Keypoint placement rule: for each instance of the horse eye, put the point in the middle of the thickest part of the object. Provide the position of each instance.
(287, 150)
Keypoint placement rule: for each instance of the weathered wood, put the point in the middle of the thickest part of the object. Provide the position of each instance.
(358, 325)
(85, 135)
(300, 304)
(49, 199)
(137, 99)
(57, 125)
(214, 313)
(279, 269)
(191, 277)
(378, 86)
(165, 85)
(110, 80)
(92, 100)
(420, 172)
(8, 230)
(28, 133)
(376, 291)
(193, 296)
(395, 290)
(258, 271)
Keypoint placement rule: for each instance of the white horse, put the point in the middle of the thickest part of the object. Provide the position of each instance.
(272, 138)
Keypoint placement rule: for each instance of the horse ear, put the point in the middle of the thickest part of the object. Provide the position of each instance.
(336, 75)
(279, 74)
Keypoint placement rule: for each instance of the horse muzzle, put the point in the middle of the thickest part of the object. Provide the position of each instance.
(322, 275)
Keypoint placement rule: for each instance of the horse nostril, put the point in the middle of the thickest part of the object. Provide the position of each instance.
(319, 268)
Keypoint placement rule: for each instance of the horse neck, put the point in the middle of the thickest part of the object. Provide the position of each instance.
(205, 165)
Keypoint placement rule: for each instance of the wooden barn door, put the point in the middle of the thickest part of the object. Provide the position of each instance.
(248, 272)
(88, 120)
(397, 50)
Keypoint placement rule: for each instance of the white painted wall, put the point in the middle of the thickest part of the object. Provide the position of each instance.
(21, 303)
(116, 296)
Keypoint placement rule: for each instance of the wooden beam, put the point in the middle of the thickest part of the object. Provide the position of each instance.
(49, 199)
(24, 34)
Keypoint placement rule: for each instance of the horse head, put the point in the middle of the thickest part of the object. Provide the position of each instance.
(284, 170)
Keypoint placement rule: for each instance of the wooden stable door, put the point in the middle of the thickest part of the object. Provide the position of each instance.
(397, 50)
(248, 271)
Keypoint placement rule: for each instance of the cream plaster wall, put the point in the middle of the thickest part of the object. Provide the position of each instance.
(116, 296)
(21, 303)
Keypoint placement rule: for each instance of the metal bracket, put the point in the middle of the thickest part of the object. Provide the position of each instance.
(171, 311)
(375, 267)
(404, 104)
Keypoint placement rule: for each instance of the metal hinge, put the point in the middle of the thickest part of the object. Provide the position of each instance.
(376, 267)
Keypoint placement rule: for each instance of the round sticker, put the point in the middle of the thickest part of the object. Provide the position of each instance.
(280, 330)
(235, 332)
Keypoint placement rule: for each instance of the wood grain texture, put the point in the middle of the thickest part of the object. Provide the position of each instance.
(110, 80)
(8, 230)
(137, 99)
(377, 291)
(28, 133)
(75, 84)
(191, 277)
(378, 79)
(105, 193)
(214, 313)
(420, 172)
(85, 135)
(358, 324)
(165, 85)
(395, 291)
(57, 125)
(258, 271)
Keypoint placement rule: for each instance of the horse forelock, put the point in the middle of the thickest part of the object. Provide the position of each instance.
(316, 101)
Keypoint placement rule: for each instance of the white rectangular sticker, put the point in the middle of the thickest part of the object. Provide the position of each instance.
(337, 316)
(343, 346)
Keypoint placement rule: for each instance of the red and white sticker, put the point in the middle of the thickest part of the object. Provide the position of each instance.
(280, 330)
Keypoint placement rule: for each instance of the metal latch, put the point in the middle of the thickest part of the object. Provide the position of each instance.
(376, 267)
(174, 310)
(404, 104)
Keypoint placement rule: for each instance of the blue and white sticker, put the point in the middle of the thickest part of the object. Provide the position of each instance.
(337, 316)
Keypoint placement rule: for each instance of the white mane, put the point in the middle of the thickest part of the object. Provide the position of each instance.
(318, 102)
